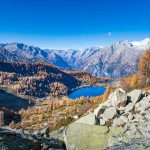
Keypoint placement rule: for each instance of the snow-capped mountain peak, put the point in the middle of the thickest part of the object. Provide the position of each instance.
(144, 44)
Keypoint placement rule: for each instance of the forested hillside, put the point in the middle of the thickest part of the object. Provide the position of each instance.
(36, 79)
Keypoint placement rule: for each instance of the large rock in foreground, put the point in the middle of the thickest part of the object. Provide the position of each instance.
(89, 137)
(109, 113)
(118, 98)
(86, 137)
(88, 119)
(134, 96)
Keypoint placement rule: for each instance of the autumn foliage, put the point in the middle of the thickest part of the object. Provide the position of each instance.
(87, 78)
(144, 69)
(58, 89)
(142, 79)
(102, 98)
(36, 79)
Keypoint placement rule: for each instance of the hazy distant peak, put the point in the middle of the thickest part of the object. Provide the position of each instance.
(17, 45)
(72, 50)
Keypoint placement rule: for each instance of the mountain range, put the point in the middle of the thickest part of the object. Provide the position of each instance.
(114, 61)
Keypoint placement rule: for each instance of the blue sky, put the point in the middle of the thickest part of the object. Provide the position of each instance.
(63, 24)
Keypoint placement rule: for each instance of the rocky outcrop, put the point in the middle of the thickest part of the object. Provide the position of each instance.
(23, 139)
(119, 120)
(134, 96)
(135, 144)
(132, 110)
(118, 98)
(109, 114)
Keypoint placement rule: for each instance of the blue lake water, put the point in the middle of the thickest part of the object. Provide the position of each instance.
(87, 92)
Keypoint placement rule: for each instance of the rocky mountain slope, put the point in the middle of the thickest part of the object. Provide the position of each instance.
(119, 59)
(116, 123)
(121, 122)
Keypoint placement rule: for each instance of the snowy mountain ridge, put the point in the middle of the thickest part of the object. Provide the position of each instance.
(117, 60)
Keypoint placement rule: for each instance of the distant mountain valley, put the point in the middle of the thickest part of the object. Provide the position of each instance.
(114, 61)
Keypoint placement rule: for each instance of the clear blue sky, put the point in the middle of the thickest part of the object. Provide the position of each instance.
(73, 23)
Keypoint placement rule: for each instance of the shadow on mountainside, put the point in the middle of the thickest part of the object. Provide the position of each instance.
(13, 102)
